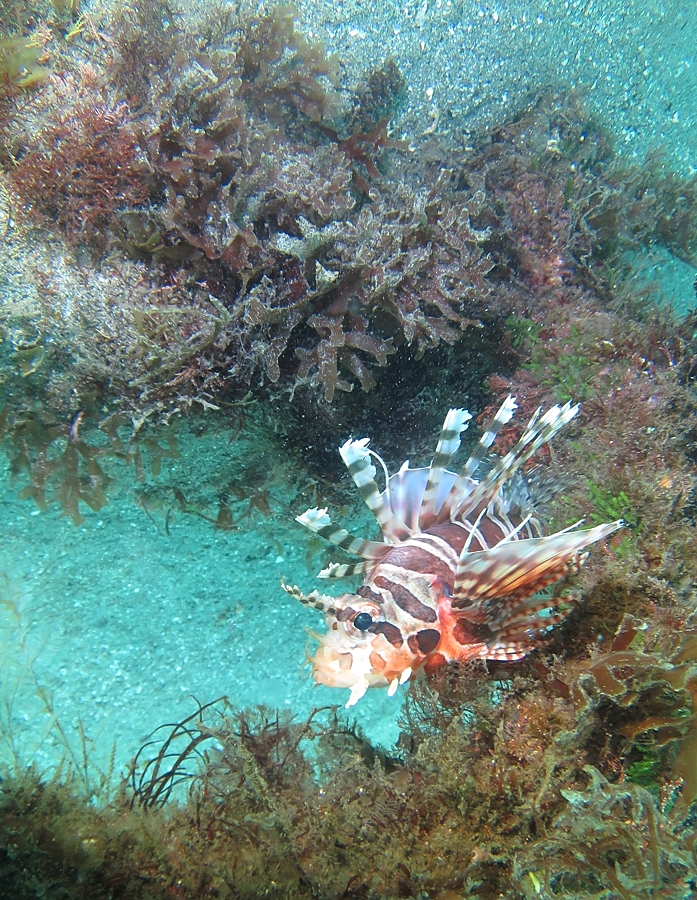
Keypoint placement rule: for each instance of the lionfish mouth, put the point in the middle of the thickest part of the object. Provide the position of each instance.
(337, 663)
(340, 662)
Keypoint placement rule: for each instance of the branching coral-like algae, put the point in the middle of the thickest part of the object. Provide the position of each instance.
(267, 231)
(308, 247)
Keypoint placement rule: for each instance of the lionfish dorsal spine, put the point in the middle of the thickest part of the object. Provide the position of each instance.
(356, 457)
(463, 481)
(539, 431)
(318, 521)
(502, 417)
(511, 531)
(456, 421)
(474, 533)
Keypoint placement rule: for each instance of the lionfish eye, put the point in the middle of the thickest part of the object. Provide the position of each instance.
(363, 621)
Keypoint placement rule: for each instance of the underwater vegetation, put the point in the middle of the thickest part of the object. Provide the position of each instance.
(574, 779)
(20, 66)
(233, 234)
(62, 466)
(233, 220)
(287, 240)
(80, 171)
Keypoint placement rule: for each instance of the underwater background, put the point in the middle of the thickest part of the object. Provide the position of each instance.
(234, 235)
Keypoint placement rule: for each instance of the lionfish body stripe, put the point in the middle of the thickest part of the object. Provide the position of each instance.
(458, 571)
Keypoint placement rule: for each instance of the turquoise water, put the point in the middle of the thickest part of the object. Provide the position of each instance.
(110, 628)
(122, 622)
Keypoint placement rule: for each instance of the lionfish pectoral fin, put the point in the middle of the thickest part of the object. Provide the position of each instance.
(344, 570)
(498, 584)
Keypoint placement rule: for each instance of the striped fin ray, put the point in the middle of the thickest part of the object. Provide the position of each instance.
(517, 643)
(528, 632)
(502, 417)
(455, 423)
(522, 613)
(517, 608)
(491, 584)
(343, 570)
(531, 624)
(356, 456)
(319, 601)
(520, 532)
(508, 651)
(318, 521)
(539, 431)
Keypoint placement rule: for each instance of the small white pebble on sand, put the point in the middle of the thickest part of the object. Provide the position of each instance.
(279, 560)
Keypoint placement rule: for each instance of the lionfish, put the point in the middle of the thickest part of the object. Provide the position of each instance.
(460, 567)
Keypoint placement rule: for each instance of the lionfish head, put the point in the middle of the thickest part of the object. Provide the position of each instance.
(351, 653)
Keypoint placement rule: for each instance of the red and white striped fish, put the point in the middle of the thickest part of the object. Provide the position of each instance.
(458, 571)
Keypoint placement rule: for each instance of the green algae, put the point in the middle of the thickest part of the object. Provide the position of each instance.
(20, 63)
(482, 798)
